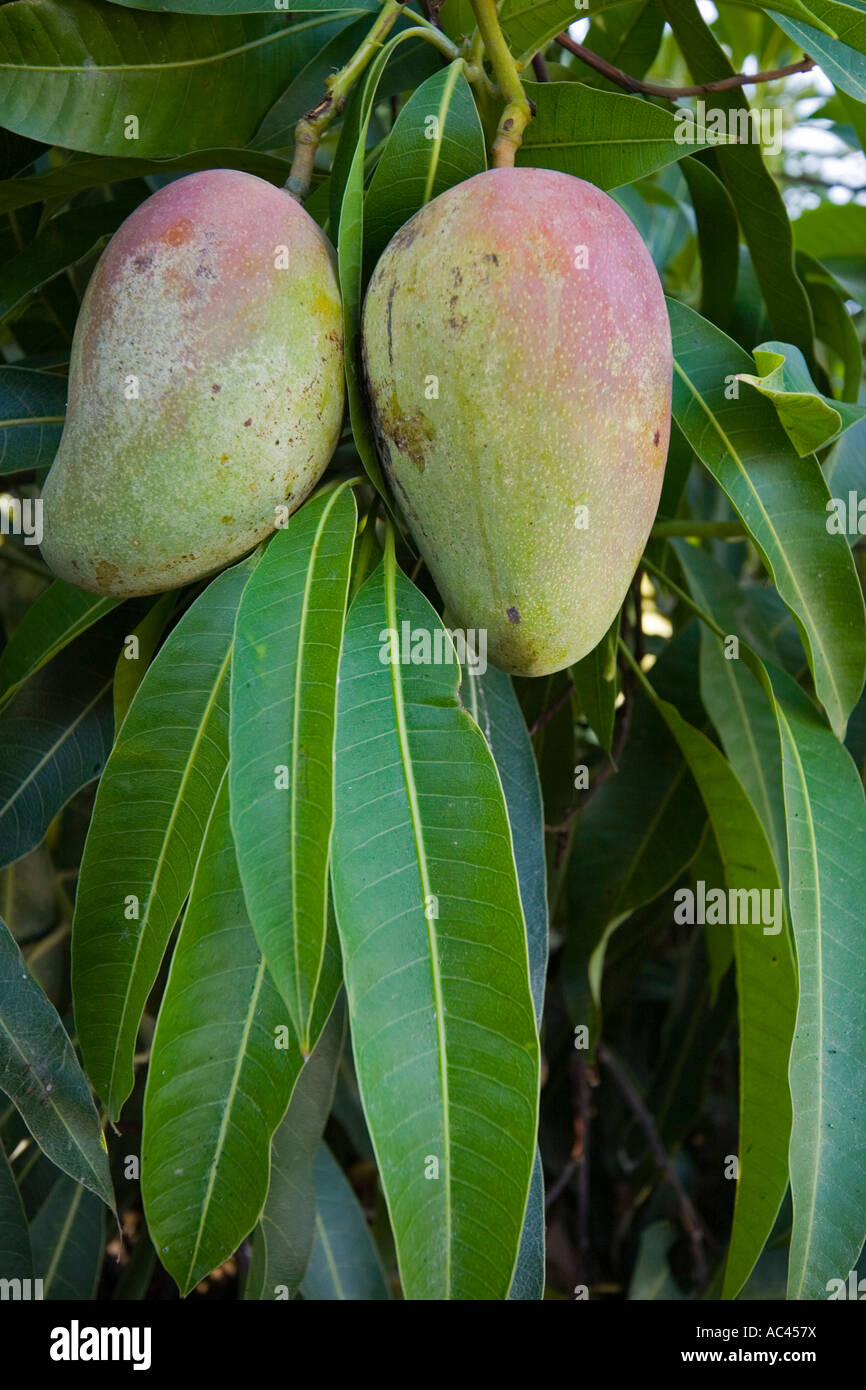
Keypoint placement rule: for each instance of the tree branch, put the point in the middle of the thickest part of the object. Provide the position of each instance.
(657, 89)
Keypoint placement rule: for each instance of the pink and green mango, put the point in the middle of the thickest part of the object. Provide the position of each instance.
(518, 360)
(205, 387)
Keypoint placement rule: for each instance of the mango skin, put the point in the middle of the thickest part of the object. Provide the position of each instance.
(554, 393)
(239, 366)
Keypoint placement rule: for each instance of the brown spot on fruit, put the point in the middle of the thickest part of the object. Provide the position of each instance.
(178, 233)
(142, 263)
(248, 422)
(513, 615)
(215, 387)
(656, 437)
(107, 574)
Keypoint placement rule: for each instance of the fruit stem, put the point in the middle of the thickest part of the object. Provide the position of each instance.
(721, 530)
(312, 126)
(519, 110)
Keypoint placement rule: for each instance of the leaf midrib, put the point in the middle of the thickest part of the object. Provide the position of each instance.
(390, 566)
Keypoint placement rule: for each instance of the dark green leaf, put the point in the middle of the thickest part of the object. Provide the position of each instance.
(151, 810)
(32, 410)
(68, 1242)
(283, 711)
(428, 904)
(344, 1263)
(222, 1068)
(39, 1072)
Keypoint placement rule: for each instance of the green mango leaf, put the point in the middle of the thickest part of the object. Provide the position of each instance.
(595, 686)
(493, 704)
(782, 501)
(754, 192)
(138, 648)
(57, 617)
(718, 241)
(344, 1263)
(809, 419)
(834, 324)
(842, 59)
(79, 173)
(277, 130)
(148, 822)
(221, 1073)
(74, 74)
(284, 1239)
(16, 1257)
(346, 7)
(530, 24)
(41, 1076)
(766, 988)
(607, 138)
(651, 1277)
(826, 827)
(350, 257)
(55, 734)
(436, 142)
(283, 710)
(68, 1239)
(422, 931)
(639, 831)
(628, 37)
(32, 411)
(64, 242)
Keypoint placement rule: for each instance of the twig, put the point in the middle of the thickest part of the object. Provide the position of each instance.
(519, 109)
(552, 710)
(658, 89)
(539, 67)
(688, 1215)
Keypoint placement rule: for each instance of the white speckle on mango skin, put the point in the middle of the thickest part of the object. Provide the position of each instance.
(206, 387)
(554, 390)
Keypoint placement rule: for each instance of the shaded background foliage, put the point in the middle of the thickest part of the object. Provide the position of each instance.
(698, 768)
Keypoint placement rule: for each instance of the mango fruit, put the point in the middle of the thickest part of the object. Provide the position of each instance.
(518, 361)
(205, 387)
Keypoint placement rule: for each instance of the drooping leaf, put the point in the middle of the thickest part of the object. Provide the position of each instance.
(639, 832)
(428, 907)
(809, 419)
(437, 141)
(68, 1241)
(826, 828)
(718, 240)
(489, 697)
(222, 1068)
(139, 646)
(782, 500)
(595, 686)
(283, 710)
(55, 734)
(32, 410)
(607, 138)
(842, 59)
(56, 618)
(151, 809)
(284, 1238)
(40, 1074)
(760, 207)
(767, 991)
(344, 1263)
(64, 242)
(74, 74)
(16, 1258)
